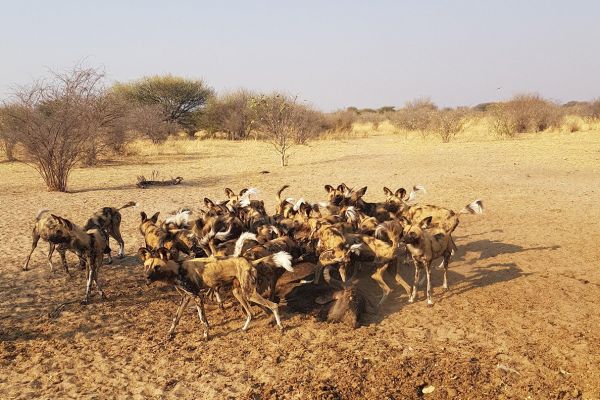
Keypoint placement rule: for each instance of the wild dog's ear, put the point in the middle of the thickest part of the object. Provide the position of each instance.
(341, 187)
(360, 193)
(400, 193)
(243, 191)
(144, 216)
(163, 253)
(229, 193)
(425, 222)
(387, 191)
(329, 188)
(144, 253)
(154, 218)
(208, 202)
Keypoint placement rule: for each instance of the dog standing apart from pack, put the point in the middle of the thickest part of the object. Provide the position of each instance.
(427, 241)
(193, 277)
(90, 245)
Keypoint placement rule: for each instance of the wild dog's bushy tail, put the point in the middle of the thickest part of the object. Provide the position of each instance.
(280, 191)
(40, 213)
(475, 207)
(412, 196)
(130, 204)
(239, 244)
(245, 198)
(181, 219)
(282, 259)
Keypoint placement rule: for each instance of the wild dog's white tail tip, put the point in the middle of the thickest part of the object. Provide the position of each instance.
(355, 248)
(298, 204)
(475, 207)
(180, 219)
(283, 259)
(419, 189)
(351, 213)
(379, 231)
(441, 266)
(239, 244)
(245, 199)
(275, 230)
(40, 213)
(222, 235)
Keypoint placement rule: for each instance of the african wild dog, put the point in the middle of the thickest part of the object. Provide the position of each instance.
(109, 220)
(193, 277)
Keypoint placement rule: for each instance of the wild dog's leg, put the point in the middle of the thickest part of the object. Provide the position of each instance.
(63, 258)
(446, 262)
(219, 300)
(116, 234)
(258, 299)
(429, 290)
(200, 307)
(90, 278)
(107, 251)
(272, 285)
(185, 299)
(343, 270)
(378, 277)
(399, 279)
(245, 306)
(99, 260)
(318, 272)
(413, 294)
(51, 248)
(34, 241)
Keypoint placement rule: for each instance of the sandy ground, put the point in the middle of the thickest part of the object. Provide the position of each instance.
(520, 319)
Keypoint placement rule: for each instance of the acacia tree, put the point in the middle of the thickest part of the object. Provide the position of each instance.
(56, 119)
(178, 98)
(283, 122)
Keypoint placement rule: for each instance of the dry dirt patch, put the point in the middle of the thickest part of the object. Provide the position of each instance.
(520, 318)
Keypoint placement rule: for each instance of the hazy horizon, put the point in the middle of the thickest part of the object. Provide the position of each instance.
(333, 55)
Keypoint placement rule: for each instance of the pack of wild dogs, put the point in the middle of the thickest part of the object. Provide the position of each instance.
(236, 247)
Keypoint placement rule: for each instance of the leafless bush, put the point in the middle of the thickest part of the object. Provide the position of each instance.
(339, 121)
(524, 113)
(230, 114)
(589, 110)
(447, 123)
(283, 122)
(149, 121)
(56, 120)
(415, 116)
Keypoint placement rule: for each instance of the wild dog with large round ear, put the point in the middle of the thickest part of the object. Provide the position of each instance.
(426, 243)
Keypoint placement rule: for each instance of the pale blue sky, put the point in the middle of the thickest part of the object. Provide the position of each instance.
(332, 53)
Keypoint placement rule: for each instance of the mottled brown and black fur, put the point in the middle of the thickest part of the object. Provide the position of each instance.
(109, 220)
(193, 277)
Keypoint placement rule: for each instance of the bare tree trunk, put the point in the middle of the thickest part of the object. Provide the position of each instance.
(9, 147)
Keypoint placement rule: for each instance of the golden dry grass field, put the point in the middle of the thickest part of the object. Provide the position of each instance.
(520, 320)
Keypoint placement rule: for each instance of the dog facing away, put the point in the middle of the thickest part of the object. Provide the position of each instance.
(109, 219)
(193, 277)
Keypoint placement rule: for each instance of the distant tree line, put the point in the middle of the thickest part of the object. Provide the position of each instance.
(73, 118)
